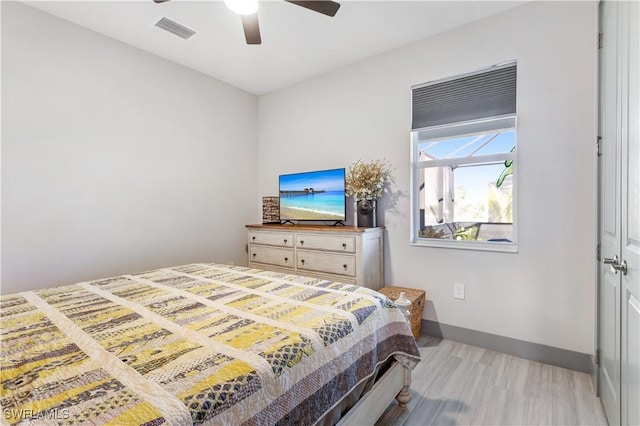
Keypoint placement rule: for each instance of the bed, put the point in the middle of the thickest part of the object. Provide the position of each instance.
(202, 344)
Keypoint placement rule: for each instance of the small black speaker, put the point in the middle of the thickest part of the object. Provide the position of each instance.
(367, 213)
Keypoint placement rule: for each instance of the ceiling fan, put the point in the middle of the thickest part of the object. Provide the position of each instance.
(247, 9)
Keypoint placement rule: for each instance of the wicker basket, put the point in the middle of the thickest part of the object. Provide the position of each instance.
(416, 297)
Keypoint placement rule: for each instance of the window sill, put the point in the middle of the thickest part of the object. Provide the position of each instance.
(466, 245)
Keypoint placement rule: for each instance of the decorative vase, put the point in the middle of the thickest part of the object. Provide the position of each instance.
(404, 305)
(366, 213)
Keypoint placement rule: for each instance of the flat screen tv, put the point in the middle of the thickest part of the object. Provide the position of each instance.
(317, 195)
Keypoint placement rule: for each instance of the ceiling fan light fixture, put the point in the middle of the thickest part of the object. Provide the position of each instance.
(242, 7)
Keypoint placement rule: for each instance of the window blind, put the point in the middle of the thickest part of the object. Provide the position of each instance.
(480, 95)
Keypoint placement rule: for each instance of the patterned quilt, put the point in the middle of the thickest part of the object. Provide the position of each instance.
(196, 344)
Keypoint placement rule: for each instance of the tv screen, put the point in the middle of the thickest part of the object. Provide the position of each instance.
(318, 195)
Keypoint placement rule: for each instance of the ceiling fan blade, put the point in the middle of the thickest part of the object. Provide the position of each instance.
(326, 7)
(251, 29)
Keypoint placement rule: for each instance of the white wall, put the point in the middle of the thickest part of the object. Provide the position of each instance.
(542, 294)
(115, 160)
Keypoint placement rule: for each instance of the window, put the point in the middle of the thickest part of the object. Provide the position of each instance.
(463, 161)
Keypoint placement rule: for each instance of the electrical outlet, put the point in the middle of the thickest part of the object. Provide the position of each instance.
(458, 290)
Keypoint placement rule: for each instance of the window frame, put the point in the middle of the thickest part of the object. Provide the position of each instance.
(450, 131)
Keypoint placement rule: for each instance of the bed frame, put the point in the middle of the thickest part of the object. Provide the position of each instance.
(393, 384)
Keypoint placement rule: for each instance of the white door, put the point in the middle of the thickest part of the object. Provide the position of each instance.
(609, 213)
(630, 226)
(619, 210)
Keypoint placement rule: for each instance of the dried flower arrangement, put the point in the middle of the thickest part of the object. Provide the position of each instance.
(368, 181)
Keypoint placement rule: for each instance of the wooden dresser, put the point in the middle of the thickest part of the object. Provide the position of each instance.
(347, 254)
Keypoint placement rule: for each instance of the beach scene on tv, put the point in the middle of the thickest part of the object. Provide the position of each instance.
(313, 195)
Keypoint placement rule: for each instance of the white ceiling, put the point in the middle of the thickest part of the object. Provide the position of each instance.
(297, 43)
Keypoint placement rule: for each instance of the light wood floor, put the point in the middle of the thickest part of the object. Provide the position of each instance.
(458, 384)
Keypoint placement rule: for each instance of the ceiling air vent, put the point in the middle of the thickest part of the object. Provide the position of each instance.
(175, 28)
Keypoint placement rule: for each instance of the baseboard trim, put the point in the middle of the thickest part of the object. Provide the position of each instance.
(521, 348)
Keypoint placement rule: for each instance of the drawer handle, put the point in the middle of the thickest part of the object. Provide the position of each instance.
(286, 259)
(301, 242)
(254, 255)
(302, 261)
(344, 266)
(285, 241)
(253, 238)
(344, 245)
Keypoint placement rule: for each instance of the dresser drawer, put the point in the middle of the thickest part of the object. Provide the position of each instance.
(267, 267)
(330, 277)
(282, 239)
(340, 264)
(323, 242)
(272, 255)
